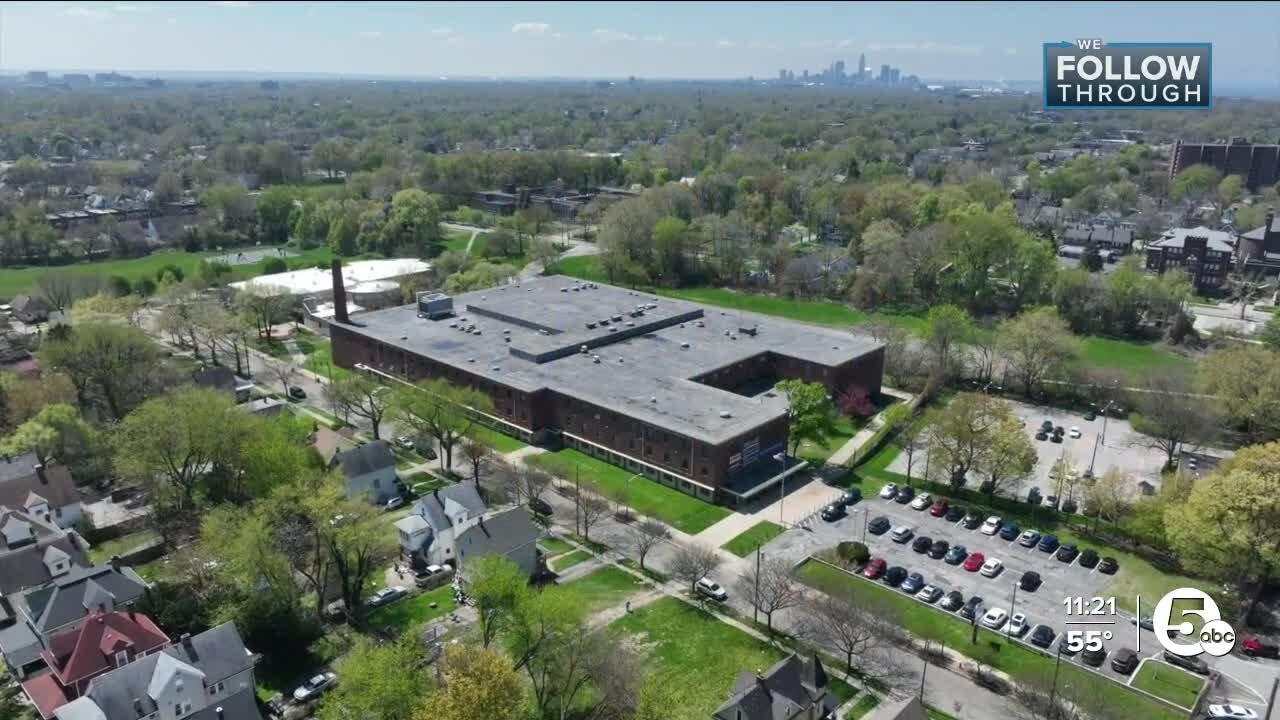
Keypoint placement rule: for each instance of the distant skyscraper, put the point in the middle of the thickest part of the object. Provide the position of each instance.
(884, 73)
(839, 70)
(862, 66)
(782, 74)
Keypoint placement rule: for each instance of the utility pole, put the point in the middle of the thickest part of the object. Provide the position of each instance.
(755, 605)
(1053, 693)
(1096, 441)
(577, 499)
(1271, 698)
(924, 671)
(973, 639)
(1013, 603)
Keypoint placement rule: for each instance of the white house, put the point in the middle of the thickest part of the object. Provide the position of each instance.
(370, 470)
(432, 528)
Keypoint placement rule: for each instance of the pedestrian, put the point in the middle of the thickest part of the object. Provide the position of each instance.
(628, 607)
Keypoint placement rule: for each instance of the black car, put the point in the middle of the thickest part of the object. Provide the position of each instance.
(894, 576)
(297, 393)
(1091, 416)
(1042, 436)
(1033, 495)
(904, 496)
(971, 607)
(954, 513)
(1124, 661)
(833, 512)
(850, 497)
(1042, 636)
(1056, 437)
(922, 544)
(879, 525)
(1108, 566)
(539, 506)
(938, 549)
(1069, 506)
(971, 521)
(1089, 559)
(1067, 553)
(1009, 531)
(1030, 581)
(1047, 426)
(1059, 430)
(956, 555)
(952, 601)
(1194, 664)
(1094, 657)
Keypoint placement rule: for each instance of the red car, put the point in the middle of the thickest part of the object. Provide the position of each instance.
(1253, 647)
(939, 508)
(974, 562)
(875, 568)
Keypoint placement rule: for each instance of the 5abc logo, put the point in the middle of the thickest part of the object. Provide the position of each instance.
(1216, 636)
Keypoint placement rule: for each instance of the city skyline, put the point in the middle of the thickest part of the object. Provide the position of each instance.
(944, 42)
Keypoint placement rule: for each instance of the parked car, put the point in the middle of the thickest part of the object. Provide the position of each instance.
(1124, 661)
(889, 491)
(1056, 437)
(539, 506)
(879, 525)
(1254, 647)
(1089, 559)
(297, 393)
(1042, 636)
(427, 452)
(939, 549)
(1030, 581)
(995, 618)
(850, 497)
(1091, 416)
(955, 555)
(386, 596)
(922, 544)
(970, 608)
(1074, 432)
(902, 534)
(1017, 625)
(710, 588)
(1042, 436)
(1033, 495)
(875, 568)
(405, 442)
(1145, 622)
(1051, 501)
(952, 601)
(992, 525)
(1009, 531)
(954, 513)
(992, 567)
(1067, 553)
(939, 507)
(315, 686)
(975, 561)
(930, 594)
(1108, 566)
(1236, 712)
(1069, 506)
(913, 584)
(1048, 543)
(429, 575)
(1194, 664)
(904, 496)
(395, 502)
(1065, 648)
(894, 576)
(833, 512)
(922, 501)
(1094, 656)
(971, 521)
(1047, 426)
(1029, 538)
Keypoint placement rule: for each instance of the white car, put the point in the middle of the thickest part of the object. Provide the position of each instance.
(994, 618)
(386, 596)
(1232, 711)
(992, 567)
(312, 689)
(394, 503)
(889, 491)
(1074, 432)
(1018, 624)
(902, 534)
(929, 594)
(992, 525)
(710, 588)
(922, 501)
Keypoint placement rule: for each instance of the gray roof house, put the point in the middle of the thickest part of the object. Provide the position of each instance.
(203, 677)
(906, 709)
(28, 619)
(437, 519)
(793, 689)
(29, 309)
(370, 470)
(510, 533)
(34, 551)
(45, 491)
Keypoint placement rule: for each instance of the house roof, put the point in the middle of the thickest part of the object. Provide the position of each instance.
(1260, 232)
(215, 378)
(367, 458)
(19, 479)
(906, 709)
(24, 540)
(74, 595)
(433, 507)
(791, 685)
(1217, 240)
(329, 443)
(90, 649)
(498, 534)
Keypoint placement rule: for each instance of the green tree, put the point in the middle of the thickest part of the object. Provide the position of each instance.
(810, 413)
(414, 222)
(947, 327)
(1270, 335)
(362, 396)
(1195, 184)
(479, 684)
(442, 410)
(112, 367)
(670, 236)
(1229, 191)
(274, 207)
(385, 681)
(1246, 381)
(499, 590)
(1034, 345)
(1009, 461)
(963, 433)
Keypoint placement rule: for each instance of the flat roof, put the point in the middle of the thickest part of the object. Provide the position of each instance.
(316, 280)
(529, 336)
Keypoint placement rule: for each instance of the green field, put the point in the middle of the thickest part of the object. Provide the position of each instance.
(414, 610)
(568, 560)
(1135, 358)
(603, 588)
(320, 361)
(1019, 661)
(681, 511)
(456, 241)
(496, 440)
(865, 704)
(105, 550)
(748, 540)
(1173, 684)
(554, 545)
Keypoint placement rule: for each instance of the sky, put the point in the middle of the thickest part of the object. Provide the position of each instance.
(937, 41)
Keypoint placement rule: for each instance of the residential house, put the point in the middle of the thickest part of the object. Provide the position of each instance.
(1034, 213)
(30, 619)
(1206, 256)
(202, 677)
(221, 379)
(794, 688)
(1104, 237)
(431, 530)
(909, 708)
(34, 551)
(29, 309)
(1260, 247)
(104, 642)
(370, 470)
(266, 407)
(329, 444)
(47, 491)
(510, 533)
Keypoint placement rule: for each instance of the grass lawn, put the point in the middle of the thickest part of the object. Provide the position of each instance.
(865, 704)
(456, 241)
(602, 588)
(554, 545)
(423, 482)
(320, 361)
(747, 541)
(936, 714)
(817, 453)
(1019, 661)
(1135, 358)
(1173, 684)
(104, 551)
(568, 560)
(496, 440)
(414, 610)
(683, 512)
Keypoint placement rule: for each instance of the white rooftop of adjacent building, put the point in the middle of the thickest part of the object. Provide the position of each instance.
(316, 280)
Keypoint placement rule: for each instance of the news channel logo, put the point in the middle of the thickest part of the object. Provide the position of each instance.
(1216, 636)
(1091, 74)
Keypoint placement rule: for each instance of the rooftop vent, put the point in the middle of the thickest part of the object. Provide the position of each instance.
(506, 332)
(471, 360)
(495, 368)
(613, 329)
(591, 326)
(596, 360)
(564, 289)
(619, 361)
(604, 322)
(404, 337)
(653, 399)
(617, 318)
(700, 324)
(543, 332)
(583, 349)
(725, 414)
(684, 346)
(630, 324)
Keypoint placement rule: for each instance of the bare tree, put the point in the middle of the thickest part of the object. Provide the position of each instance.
(646, 535)
(692, 562)
(476, 453)
(770, 586)
(591, 510)
(363, 397)
(285, 372)
(1169, 415)
(862, 631)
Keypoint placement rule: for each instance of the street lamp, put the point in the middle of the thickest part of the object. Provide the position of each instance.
(1013, 604)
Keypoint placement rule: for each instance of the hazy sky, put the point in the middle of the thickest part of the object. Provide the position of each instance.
(722, 39)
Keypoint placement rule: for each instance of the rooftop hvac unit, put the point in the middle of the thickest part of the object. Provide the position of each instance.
(700, 324)
(506, 332)
(619, 361)
(613, 329)
(543, 332)
(653, 399)
(595, 360)
(434, 305)
(583, 349)
(564, 289)
(684, 346)
(604, 322)
(591, 326)
(749, 330)
(725, 414)
(630, 324)
(617, 318)
(495, 368)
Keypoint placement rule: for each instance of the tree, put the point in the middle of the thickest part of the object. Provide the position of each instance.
(479, 684)
(1108, 496)
(60, 288)
(546, 253)
(855, 630)
(591, 510)
(332, 156)
(770, 586)
(692, 562)
(1034, 345)
(476, 453)
(946, 327)
(499, 589)
(961, 434)
(232, 205)
(670, 236)
(442, 410)
(274, 206)
(359, 548)
(1195, 184)
(810, 414)
(112, 367)
(909, 435)
(384, 681)
(413, 222)
(59, 432)
(1229, 191)
(645, 536)
(1169, 414)
(364, 397)
(1246, 381)
(1010, 460)
(266, 306)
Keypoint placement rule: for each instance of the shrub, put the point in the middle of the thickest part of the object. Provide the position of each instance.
(273, 266)
(853, 553)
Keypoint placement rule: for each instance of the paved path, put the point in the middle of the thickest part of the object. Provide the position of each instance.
(472, 241)
(726, 529)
